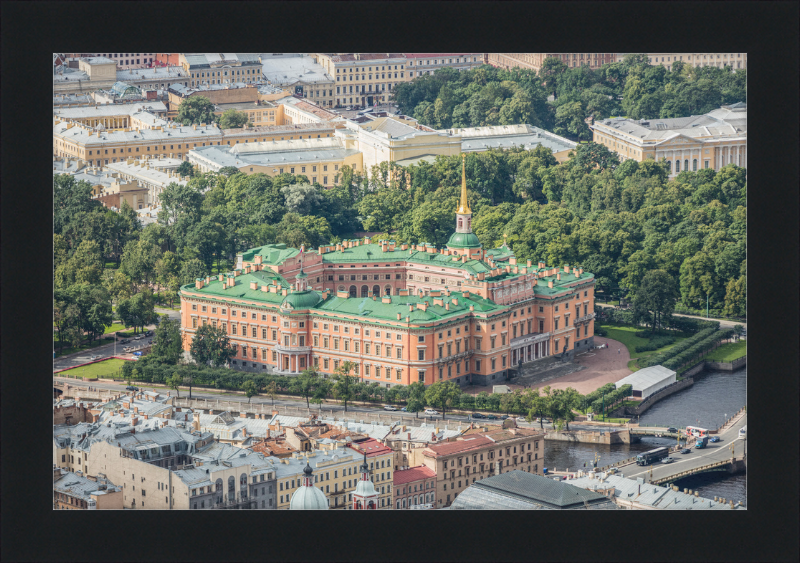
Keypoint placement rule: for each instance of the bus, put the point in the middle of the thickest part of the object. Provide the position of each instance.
(652, 456)
(696, 431)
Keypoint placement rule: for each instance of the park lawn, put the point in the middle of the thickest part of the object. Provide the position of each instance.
(728, 352)
(99, 369)
(114, 327)
(71, 350)
(627, 336)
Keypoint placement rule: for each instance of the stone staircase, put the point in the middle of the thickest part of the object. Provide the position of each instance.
(544, 370)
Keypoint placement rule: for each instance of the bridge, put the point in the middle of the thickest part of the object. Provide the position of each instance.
(729, 455)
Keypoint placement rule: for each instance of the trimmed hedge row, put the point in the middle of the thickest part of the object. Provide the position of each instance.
(703, 346)
(655, 343)
(680, 347)
(612, 398)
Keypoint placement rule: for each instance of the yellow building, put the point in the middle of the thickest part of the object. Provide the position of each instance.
(321, 159)
(99, 148)
(734, 60)
(140, 115)
(220, 68)
(534, 61)
(712, 140)
(336, 473)
(364, 78)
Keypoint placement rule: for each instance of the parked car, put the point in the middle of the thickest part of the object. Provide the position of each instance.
(504, 417)
(138, 337)
(389, 408)
(95, 358)
(127, 349)
(131, 388)
(404, 409)
(612, 471)
(149, 333)
(492, 417)
(714, 439)
(672, 429)
(124, 340)
(137, 353)
(667, 460)
(478, 415)
(521, 419)
(686, 451)
(431, 411)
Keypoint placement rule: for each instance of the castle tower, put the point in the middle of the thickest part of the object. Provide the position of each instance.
(464, 241)
(301, 280)
(365, 497)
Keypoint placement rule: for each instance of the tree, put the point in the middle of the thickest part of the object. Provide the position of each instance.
(443, 394)
(167, 341)
(185, 168)
(272, 390)
(175, 382)
(304, 199)
(138, 311)
(344, 383)
(191, 270)
(195, 110)
(736, 298)
(250, 389)
(211, 345)
(306, 383)
(139, 261)
(416, 398)
(232, 119)
(655, 298)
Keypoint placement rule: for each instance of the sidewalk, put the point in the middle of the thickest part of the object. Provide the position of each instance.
(722, 322)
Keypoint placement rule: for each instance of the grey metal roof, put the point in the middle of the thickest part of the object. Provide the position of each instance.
(221, 156)
(293, 466)
(646, 377)
(106, 110)
(656, 496)
(81, 487)
(158, 73)
(288, 70)
(81, 135)
(539, 489)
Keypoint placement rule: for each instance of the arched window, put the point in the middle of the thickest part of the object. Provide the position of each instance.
(387, 290)
(340, 288)
(686, 164)
(364, 291)
(677, 166)
(669, 166)
(398, 504)
(694, 165)
(404, 503)
(243, 480)
(231, 487)
(460, 222)
(218, 484)
(376, 290)
(353, 291)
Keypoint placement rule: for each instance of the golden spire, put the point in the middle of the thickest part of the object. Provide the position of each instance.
(463, 208)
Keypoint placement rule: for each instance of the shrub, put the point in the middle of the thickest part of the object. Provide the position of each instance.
(600, 331)
(655, 343)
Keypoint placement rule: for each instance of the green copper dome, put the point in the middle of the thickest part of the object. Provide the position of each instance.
(301, 300)
(464, 240)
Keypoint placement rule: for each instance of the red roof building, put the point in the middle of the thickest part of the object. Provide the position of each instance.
(415, 486)
(371, 447)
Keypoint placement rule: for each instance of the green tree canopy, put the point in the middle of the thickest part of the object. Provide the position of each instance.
(196, 110)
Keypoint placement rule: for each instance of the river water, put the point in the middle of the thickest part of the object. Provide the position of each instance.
(713, 398)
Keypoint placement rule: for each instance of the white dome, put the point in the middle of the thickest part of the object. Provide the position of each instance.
(365, 489)
(308, 498)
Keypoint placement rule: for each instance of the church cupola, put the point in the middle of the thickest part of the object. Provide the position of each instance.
(365, 497)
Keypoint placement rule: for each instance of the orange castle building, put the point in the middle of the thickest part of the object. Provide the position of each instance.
(399, 313)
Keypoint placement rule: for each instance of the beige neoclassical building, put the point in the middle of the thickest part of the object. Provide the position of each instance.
(712, 140)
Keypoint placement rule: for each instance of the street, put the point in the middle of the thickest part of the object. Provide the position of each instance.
(722, 322)
(261, 399)
(107, 350)
(713, 452)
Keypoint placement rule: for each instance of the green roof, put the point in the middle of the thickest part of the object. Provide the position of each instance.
(376, 310)
(270, 253)
(242, 287)
(301, 300)
(464, 240)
